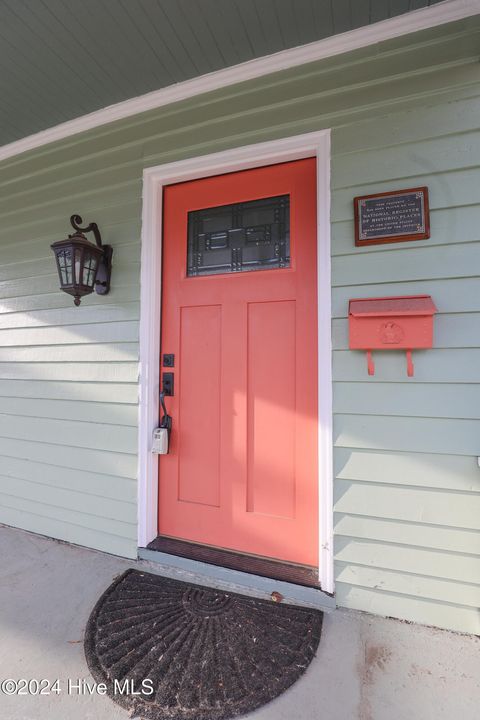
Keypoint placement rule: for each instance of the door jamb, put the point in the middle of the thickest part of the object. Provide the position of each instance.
(154, 179)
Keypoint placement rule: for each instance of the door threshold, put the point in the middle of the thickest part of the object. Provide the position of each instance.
(253, 564)
(226, 579)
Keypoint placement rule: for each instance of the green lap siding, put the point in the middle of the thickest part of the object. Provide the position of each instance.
(407, 504)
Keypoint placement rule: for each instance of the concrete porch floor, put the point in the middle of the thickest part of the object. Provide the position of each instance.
(367, 668)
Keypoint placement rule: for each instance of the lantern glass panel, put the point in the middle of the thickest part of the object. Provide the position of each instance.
(89, 268)
(64, 260)
(78, 265)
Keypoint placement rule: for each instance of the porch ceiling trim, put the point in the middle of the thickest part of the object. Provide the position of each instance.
(432, 16)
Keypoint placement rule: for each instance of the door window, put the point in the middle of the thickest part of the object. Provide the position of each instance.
(241, 237)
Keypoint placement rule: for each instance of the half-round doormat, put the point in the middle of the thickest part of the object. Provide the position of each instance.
(168, 650)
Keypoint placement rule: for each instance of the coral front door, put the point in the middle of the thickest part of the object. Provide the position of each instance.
(239, 336)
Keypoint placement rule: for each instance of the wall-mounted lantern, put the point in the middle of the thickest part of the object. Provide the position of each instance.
(82, 266)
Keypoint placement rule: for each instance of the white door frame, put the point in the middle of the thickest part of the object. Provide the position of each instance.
(154, 179)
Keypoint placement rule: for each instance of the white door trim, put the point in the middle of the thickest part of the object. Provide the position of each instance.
(154, 179)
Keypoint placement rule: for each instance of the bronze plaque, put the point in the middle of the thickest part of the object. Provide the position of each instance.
(396, 216)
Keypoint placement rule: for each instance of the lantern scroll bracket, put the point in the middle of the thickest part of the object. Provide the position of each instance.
(76, 221)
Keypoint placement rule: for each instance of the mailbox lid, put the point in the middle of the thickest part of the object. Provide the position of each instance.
(405, 305)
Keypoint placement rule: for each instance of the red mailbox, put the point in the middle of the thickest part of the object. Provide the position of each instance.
(391, 323)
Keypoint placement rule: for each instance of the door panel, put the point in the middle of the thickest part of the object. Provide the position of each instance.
(199, 399)
(271, 408)
(239, 312)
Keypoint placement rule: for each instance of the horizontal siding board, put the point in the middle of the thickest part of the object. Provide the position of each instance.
(324, 109)
(408, 533)
(246, 133)
(103, 315)
(113, 372)
(448, 472)
(409, 504)
(83, 392)
(458, 365)
(423, 123)
(409, 584)
(22, 177)
(69, 532)
(430, 563)
(445, 190)
(120, 464)
(111, 196)
(111, 413)
(91, 483)
(99, 524)
(437, 155)
(412, 608)
(111, 332)
(431, 435)
(30, 303)
(59, 353)
(64, 432)
(63, 498)
(448, 226)
(65, 186)
(54, 226)
(331, 95)
(409, 263)
(54, 219)
(418, 400)
(450, 295)
(39, 267)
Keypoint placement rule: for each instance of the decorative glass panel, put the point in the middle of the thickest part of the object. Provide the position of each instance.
(77, 264)
(89, 269)
(253, 235)
(64, 260)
